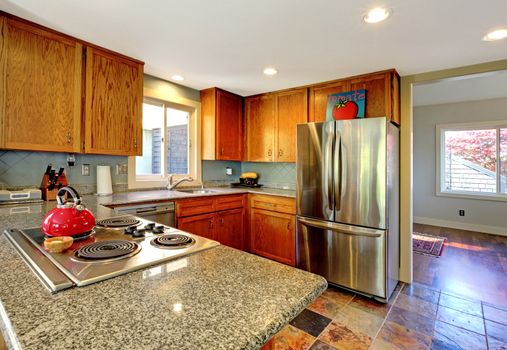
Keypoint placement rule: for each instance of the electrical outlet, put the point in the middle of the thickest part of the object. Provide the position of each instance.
(228, 171)
(85, 169)
(461, 212)
(121, 169)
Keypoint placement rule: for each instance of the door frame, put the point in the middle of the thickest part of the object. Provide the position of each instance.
(406, 149)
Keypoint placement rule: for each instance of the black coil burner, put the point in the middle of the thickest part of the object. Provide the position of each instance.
(105, 250)
(172, 241)
(119, 222)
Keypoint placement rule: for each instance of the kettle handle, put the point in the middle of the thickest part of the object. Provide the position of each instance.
(61, 192)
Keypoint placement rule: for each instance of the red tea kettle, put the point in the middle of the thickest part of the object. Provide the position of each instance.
(68, 219)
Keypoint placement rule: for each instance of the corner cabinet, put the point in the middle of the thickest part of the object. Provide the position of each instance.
(271, 124)
(382, 95)
(60, 94)
(40, 88)
(222, 125)
(113, 104)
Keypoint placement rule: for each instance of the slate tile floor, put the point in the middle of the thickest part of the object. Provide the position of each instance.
(417, 317)
(457, 301)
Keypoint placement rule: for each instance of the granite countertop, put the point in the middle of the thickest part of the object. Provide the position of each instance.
(161, 195)
(221, 298)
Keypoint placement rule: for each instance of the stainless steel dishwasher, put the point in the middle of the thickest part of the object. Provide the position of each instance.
(162, 213)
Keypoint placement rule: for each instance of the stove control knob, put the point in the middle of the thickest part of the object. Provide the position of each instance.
(130, 230)
(139, 233)
(158, 229)
(149, 226)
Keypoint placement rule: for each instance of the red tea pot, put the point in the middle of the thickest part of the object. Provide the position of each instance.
(68, 219)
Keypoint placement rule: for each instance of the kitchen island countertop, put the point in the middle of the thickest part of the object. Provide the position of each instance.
(221, 298)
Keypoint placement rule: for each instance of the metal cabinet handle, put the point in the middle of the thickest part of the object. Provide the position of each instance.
(69, 137)
(211, 224)
(135, 142)
(269, 153)
(222, 151)
(288, 226)
(222, 221)
(280, 152)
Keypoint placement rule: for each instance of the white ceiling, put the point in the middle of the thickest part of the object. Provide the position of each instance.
(467, 88)
(227, 43)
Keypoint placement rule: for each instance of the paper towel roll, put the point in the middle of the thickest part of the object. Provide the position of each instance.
(104, 185)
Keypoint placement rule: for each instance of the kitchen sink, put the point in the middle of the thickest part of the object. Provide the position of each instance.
(197, 191)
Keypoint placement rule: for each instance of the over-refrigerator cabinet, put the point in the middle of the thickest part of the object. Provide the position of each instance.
(348, 203)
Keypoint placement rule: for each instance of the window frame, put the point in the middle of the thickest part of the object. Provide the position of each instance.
(194, 157)
(440, 160)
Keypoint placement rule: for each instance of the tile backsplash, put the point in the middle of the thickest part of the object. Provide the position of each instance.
(19, 169)
(277, 175)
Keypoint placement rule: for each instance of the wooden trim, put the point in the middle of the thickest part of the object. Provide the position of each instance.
(139, 120)
(326, 83)
(78, 85)
(88, 101)
(42, 30)
(3, 77)
(208, 124)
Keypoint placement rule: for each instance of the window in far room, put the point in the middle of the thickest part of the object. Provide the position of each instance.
(472, 160)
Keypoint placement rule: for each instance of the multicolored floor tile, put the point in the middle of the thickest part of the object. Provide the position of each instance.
(319, 345)
(421, 292)
(496, 330)
(455, 336)
(414, 304)
(403, 338)
(460, 304)
(290, 338)
(495, 314)
(326, 306)
(370, 305)
(359, 320)
(412, 320)
(461, 319)
(495, 344)
(344, 338)
(310, 322)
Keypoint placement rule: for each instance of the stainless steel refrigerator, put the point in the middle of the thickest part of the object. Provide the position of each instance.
(348, 203)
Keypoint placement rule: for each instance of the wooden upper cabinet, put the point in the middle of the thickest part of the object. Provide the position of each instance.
(113, 104)
(291, 109)
(260, 120)
(40, 88)
(222, 125)
(318, 98)
(382, 95)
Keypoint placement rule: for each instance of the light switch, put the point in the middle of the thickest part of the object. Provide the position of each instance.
(228, 171)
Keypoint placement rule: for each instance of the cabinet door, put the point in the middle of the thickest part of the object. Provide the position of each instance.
(40, 94)
(378, 94)
(229, 126)
(318, 98)
(114, 97)
(202, 225)
(230, 228)
(291, 109)
(272, 235)
(260, 115)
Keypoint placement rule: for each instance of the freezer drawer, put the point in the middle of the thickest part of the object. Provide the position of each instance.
(349, 256)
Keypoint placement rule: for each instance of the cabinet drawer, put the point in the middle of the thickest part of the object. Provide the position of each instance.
(230, 202)
(188, 207)
(273, 203)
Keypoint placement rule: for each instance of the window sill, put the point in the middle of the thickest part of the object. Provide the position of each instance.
(471, 195)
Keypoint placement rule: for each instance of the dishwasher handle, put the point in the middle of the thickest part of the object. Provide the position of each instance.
(154, 210)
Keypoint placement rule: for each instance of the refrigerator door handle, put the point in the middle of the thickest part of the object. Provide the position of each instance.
(347, 229)
(329, 149)
(338, 172)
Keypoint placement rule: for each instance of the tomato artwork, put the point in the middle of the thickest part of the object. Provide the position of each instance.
(345, 109)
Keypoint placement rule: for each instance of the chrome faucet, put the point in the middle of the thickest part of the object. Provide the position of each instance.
(171, 186)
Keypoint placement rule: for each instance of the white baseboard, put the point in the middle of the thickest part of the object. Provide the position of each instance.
(495, 230)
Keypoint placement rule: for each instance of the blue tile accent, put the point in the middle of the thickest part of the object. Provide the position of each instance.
(214, 170)
(21, 168)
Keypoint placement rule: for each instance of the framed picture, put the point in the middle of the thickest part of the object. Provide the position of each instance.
(346, 105)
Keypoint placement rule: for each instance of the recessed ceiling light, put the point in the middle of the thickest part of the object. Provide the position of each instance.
(177, 77)
(376, 15)
(270, 71)
(495, 35)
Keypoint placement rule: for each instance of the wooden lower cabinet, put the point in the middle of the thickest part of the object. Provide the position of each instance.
(272, 235)
(230, 228)
(2, 343)
(202, 225)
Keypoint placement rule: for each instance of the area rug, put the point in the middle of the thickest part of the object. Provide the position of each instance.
(428, 244)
